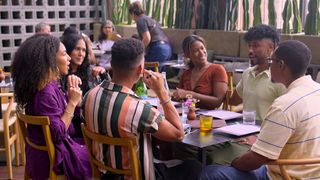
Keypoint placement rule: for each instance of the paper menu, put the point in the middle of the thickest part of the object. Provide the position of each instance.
(239, 129)
(221, 114)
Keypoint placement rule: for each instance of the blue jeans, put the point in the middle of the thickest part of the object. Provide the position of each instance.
(159, 52)
(230, 173)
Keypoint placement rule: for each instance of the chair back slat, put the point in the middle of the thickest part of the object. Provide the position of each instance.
(282, 162)
(226, 102)
(44, 122)
(130, 143)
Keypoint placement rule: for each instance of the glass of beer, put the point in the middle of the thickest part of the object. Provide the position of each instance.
(205, 123)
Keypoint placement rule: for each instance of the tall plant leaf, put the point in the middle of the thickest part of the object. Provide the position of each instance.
(297, 25)
(257, 12)
(312, 19)
(272, 15)
(286, 15)
(245, 5)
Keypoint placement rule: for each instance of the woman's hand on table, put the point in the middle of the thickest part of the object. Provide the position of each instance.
(181, 94)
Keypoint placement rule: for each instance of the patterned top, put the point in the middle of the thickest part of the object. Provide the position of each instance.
(257, 91)
(116, 111)
(291, 129)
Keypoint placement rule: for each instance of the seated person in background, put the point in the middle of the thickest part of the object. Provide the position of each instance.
(79, 66)
(36, 68)
(123, 114)
(204, 81)
(43, 28)
(255, 89)
(107, 35)
(290, 129)
(74, 30)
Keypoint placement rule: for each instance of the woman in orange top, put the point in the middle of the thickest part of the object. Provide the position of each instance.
(204, 81)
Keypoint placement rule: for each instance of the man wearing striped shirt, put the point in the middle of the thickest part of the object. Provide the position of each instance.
(113, 109)
(291, 128)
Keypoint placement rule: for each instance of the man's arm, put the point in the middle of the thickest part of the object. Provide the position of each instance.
(146, 38)
(170, 129)
(249, 161)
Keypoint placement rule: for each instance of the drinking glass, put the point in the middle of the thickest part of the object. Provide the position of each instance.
(249, 117)
(180, 58)
(205, 123)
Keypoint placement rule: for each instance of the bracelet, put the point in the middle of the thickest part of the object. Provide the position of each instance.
(69, 113)
(165, 102)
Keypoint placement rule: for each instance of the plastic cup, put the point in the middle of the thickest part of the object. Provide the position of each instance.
(205, 123)
(249, 117)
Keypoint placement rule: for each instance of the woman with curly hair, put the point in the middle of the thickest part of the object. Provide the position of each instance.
(36, 69)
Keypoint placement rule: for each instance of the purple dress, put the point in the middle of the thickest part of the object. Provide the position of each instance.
(72, 158)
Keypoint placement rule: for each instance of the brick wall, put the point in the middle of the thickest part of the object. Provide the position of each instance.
(19, 17)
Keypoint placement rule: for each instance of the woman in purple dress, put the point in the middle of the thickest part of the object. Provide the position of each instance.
(37, 66)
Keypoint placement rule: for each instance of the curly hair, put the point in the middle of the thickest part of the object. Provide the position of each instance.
(136, 8)
(70, 41)
(187, 43)
(34, 65)
(125, 53)
(262, 31)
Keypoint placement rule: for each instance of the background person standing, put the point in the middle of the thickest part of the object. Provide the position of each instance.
(150, 31)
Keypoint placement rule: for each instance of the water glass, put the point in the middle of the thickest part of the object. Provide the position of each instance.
(249, 117)
(205, 123)
(184, 111)
(180, 58)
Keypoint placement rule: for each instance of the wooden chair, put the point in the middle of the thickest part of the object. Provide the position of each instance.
(226, 102)
(152, 65)
(282, 162)
(44, 122)
(130, 143)
(8, 121)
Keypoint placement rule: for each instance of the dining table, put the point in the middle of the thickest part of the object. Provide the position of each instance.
(203, 140)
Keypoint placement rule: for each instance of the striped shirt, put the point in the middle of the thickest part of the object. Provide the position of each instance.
(291, 129)
(116, 111)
